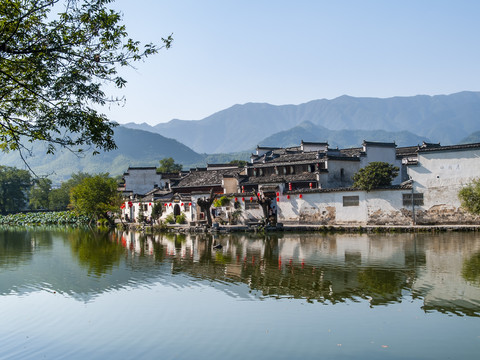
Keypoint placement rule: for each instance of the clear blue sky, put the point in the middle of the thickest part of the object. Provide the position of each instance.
(290, 52)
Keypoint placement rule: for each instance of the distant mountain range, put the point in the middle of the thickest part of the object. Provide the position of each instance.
(235, 132)
(442, 118)
(135, 148)
(339, 138)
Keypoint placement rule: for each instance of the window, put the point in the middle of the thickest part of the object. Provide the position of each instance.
(351, 200)
(417, 199)
(311, 168)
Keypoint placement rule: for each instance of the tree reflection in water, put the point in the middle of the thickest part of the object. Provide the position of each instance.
(471, 269)
(332, 268)
(96, 250)
(438, 269)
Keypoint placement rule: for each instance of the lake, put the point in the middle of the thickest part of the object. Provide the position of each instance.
(78, 294)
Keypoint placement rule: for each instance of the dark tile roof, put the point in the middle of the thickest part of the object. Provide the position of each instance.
(461, 147)
(404, 186)
(141, 168)
(206, 178)
(279, 179)
(406, 151)
(382, 144)
(177, 175)
(230, 166)
(352, 152)
(314, 143)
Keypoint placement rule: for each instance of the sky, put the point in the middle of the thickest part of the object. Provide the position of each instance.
(228, 52)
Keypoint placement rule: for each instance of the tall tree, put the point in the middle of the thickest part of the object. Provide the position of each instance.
(374, 175)
(167, 165)
(96, 196)
(14, 186)
(56, 57)
(60, 198)
(40, 194)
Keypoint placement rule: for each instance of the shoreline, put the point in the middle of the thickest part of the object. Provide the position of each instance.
(301, 228)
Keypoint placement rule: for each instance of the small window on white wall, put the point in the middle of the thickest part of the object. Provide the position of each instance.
(351, 201)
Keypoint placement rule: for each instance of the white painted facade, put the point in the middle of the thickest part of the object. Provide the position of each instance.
(328, 208)
(441, 174)
(141, 180)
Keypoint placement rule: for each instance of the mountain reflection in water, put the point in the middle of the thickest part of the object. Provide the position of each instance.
(443, 270)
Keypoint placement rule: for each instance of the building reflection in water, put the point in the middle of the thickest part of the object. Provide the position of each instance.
(381, 269)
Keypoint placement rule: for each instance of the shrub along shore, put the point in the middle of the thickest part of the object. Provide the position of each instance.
(44, 218)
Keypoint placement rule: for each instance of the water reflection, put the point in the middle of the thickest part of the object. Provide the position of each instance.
(442, 270)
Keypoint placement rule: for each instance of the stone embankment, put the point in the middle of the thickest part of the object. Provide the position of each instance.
(216, 228)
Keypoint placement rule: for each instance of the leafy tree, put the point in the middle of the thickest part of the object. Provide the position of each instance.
(239, 163)
(222, 201)
(60, 198)
(14, 186)
(167, 165)
(56, 57)
(96, 197)
(40, 194)
(374, 175)
(470, 197)
(157, 210)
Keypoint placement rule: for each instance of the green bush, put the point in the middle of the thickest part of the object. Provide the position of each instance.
(223, 201)
(181, 219)
(44, 218)
(170, 219)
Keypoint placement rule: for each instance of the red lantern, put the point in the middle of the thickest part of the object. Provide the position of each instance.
(166, 205)
(149, 204)
(310, 185)
(278, 194)
(288, 197)
(170, 204)
(251, 198)
(236, 199)
(290, 186)
(278, 199)
(243, 189)
(189, 204)
(181, 204)
(300, 196)
(258, 194)
(243, 199)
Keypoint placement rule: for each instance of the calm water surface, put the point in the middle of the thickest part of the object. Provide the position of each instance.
(76, 294)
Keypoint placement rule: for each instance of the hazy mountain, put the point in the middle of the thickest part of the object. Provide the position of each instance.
(307, 131)
(135, 148)
(442, 118)
(143, 126)
(472, 138)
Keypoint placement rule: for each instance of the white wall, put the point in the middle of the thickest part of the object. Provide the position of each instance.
(441, 174)
(379, 207)
(141, 181)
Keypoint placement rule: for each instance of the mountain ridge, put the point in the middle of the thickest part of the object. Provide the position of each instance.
(441, 118)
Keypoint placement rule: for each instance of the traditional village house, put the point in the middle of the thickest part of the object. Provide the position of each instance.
(312, 184)
(142, 186)
(200, 181)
